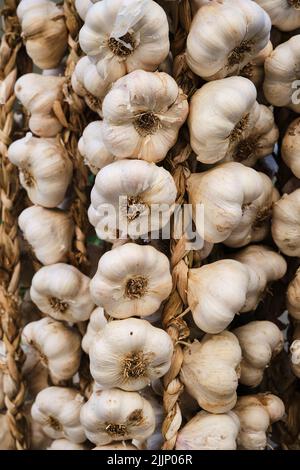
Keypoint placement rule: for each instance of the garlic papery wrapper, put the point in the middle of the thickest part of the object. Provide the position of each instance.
(131, 198)
(282, 70)
(56, 347)
(44, 32)
(125, 35)
(37, 94)
(210, 371)
(256, 413)
(235, 128)
(284, 14)
(129, 354)
(45, 169)
(260, 341)
(115, 415)
(7, 441)
(285, 223)
(65, 444)
(62, 291)
(207, 431)
(225, 36)
(293, 296)
(96, 323)
(131, 280)
(57, 409)
(290, 148)
(92, 148)
(48, 231)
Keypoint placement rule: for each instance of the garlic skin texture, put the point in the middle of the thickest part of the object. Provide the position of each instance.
(256, 413)
(293, 296)
(125, 354)
(57, 409)
(143, 199)
(115, 415)
(64, 444)
(92, 148)
(45, 179)
(210, 371)
(125, 35)
(44, 32)
(225, 36)
(284, 14)
(62, 291)
(290, 148)
(48, 231)
(37, 93)
(281, 71)
(285, 223)
(207, 431)
(96, 323)
(55, 346)
(236, 128)
(131, 280)
(260, 341)
(83, 6)
(142, 115)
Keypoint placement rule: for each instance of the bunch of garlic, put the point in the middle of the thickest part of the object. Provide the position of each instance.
(285, 223)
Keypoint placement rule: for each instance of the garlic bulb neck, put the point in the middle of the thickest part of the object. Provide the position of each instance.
(294, 3)
(135, 365)
(136, 287)
(239, 128)
(123, 46)
(58, 305)
(146, 123)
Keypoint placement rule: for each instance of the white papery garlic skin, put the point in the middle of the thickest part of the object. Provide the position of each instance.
(55, 345)
(45, 169)
(284, 14)
(92, 148)
(83, 6)
(65, 444)
(290, 147)
(131, 280)
(49, 232)
(115, 415)
(62, 291)
(285, 223)
(142, 115)
(96, 323)
(125, 354)
(57, 409)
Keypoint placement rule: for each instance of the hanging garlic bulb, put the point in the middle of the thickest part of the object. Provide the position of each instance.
(285, 223)
(96, 323)
(284, 14)
(48, 231)
(260, 341)
(64, 444)
(115, 415)
(37, 94)
(62, 291)
(290, 148)
(92, 148)
(45, 169)
(235, 128)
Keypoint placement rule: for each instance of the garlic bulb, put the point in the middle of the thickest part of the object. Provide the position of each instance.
(57, 409)
(281, 73)
(293, 296)
(256, 413)
(284, 14)
(45, 179)
(37, 94)
(92, 148)
(82, 7)
(7, 442)
(97, 323)
(290, 147)
(207, 431)
(235, 128)
(225, 36)
(115, 415)
(285, 223)
(260, 341)
(64, 444)
(129, 354)
(142, 199)
(48, 231)
(125, 35)
(44, 32)
(62, 291)
(131, 280)
(56, 347)
(210, 371)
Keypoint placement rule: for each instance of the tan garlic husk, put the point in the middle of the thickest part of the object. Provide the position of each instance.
(49, 232)
(285, 223)
(129, 354)
(226, 36)
(38, 93)
(65, 444)
(284, 14)
(255, 70)
(282, 73)
(62, 291)
(45, 170)
(97, 322)
(260, 341)
(236, 128)
(55, 345)
(8, 386)
(92, 148)
(210, 371)
(7, 86)
(295, 351)
(115, 415)
(57, 409)
(206, 431)
(290, 148)
(256, 413)
(131, 280)
(7, 441)
(44, 32)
